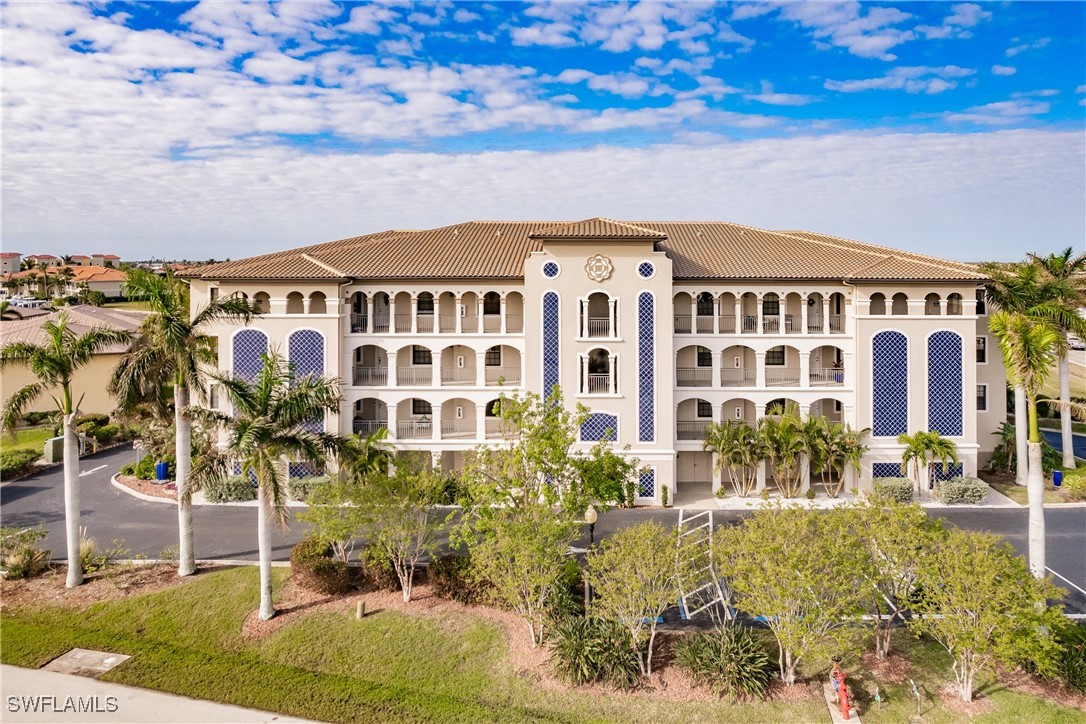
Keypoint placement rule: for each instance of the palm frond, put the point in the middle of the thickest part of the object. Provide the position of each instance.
(15, 405)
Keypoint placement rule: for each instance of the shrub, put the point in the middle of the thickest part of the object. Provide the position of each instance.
(567, 598)
(105, 433)
(1074, 482)
(452, 578)
(730, 662)
(378, 569)
(14, 463)
(91, 420)
(145, 468)
(312, 565)
(92, 558)
(958, 491)
(36, 418)
(1071, 662)
(230, 490)
(587, 650)
(897, 490)
(301, 488)
(19, 554)
(128, 469)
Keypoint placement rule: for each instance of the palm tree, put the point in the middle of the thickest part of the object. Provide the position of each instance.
(54, 364)
(782, 433)
(173, 351)
(844, 449)
(1029, 349)
(45, 280)
(63, 277)
(365, 455)
(922, 450)
(1070, 273)
(272, 421)
(739, 450)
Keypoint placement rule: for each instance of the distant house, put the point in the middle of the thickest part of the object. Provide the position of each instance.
(90, 381)
(110, 260)
(97, 278)
(49, 259)
(9, 262)
(80, 260)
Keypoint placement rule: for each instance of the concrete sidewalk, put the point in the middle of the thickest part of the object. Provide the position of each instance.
(34, 695)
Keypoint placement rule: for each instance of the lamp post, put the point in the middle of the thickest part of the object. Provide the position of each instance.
(590, 518)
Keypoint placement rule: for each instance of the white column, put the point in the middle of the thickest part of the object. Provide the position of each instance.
(805, 468)
(718, 360)
(612, 319)
(393, 372)
(305, 305)
(760, 321)
(804, 411)
(849, 371)
(759, 367)
(717, 477)
(803, 314)
(716, 314)
(371, 306)
(613, 382)
(584, 374)
(435, 459)
(392, 415)
(804, 369)
(825, 315)
(502, 310)
(414, 314)
(459, 314)
(738, 311)
(480, 369)
(759, 486)
(435, 423)
(435, 368)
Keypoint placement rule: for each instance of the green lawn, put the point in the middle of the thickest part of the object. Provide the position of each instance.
(30, 438)
(140, 305)
(391, 666)
(1020, 495)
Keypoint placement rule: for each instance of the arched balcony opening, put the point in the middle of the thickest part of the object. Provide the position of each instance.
(382, 313)
(827, 366)
(318, 303)
(837, 313)
(774, 408)
(502, 366)
(694, 367)
(458, 420)
(738, 367)
(370, 366)
(424, 313)
(597, 316)
(793, 313)
(739, 410)
(493, 419)
(414, 366)
(816, 310)
(828, 407)
(295, 303)
(681, 303)
(954, 304)
(771, 313)
(401, 313)
(414, 419)
(458, 366)
(705, 309)
(514, 313)
(598, 373)
(748, 304)
(492, 312)
(728, 309)
(932, 305)
(360, 310)
(370, 415)
(691, 419)
(899, 305)
(262, 302)
(782, 367)
(469, 312)
(445, 312)
(877, 304)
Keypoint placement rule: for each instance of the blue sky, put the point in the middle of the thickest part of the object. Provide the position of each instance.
(228, 129)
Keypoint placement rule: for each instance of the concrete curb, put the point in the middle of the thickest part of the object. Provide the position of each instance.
(197, 498)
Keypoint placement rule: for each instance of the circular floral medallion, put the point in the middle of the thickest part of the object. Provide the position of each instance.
(599, 268)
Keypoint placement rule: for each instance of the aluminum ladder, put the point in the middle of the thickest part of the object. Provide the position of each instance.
(697, 528)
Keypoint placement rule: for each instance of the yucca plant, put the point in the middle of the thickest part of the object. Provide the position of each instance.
(731, 662)
(587, 650)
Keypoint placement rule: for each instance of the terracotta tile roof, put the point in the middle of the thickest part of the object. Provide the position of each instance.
(10, 255)
(96, 274)
(497, 250)
(80, 319)
(598, 228)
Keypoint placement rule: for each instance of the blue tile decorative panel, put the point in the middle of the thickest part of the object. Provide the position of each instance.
(954, 470)
(249, 347)
(886, 470)
(646, 380)
(599, 426)
(945, 399)
(550, 269)
(646, 484)
(306, 349)
(889, 384)
(302, 470)
(645, 269)
(551, 344)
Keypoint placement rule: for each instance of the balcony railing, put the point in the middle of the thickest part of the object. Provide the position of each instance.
(469, 323)
(727, 324)
(682, 323)
(425, 323)
(732, 377)
(793, 324)
(782, 377)
(492, 323)
(446, 323)
(514, 323)
(414, 430)
(368, 427)
(370, 376)
(503, 375)
(599, 383)
(493, 426)
(458, 429)
(837, 324)
(814, 324)
(403, 323)
(704, 323)
(457, 376)
(415, 376)
(380, 323)
(694, 377)
(599, 327)
(359, 322)
(827, 377)
(750, 324)
(690, 429)
(771, 323)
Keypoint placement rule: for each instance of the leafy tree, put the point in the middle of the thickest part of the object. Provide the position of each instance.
(739, 450)
(173, 350)
(802, 571)
(783, 436)
(638, 573)
(922, 450)
(1029, 347)
(54, 364)
(336, 514)
(365, 455)
(607, 477)
(980, 603)
(897, 537)
(272, 421)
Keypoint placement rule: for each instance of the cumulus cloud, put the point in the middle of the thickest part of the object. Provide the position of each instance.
(1020, 48)
(1001, 113)
(911, 79)
(771, 98)
(1003, 70)
(962, 16)
(869, 34)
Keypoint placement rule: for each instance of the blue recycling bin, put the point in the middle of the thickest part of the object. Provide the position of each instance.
(162, 471)
(1057, 478)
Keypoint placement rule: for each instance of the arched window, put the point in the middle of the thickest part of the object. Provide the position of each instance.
(900, 305)
(262, 302)
(945, 397)
(249, 347)
(932, 304)
(878, 303)
(705, 304)
(318, 303)
(771, 305)
(954, 304)
(295, 303)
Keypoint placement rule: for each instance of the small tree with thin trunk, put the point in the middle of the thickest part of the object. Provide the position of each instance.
(803, 572)
(336, 515)
(636, 575)
(922, 450)
(785, 444)
(979, 601)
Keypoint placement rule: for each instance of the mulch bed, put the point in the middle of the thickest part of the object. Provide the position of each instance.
(116, 581)
(147, 487)
(894, 669)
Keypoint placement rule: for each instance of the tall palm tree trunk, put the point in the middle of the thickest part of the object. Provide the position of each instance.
(1065, 413)
(1036, 492)
(1020, 415)
(183, 454)
(263, 532)
(71, 500)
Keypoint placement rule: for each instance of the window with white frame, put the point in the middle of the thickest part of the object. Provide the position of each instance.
(775, 357)
(421, 407)
(982, 350)
(705, 408)
(421, 355)
(982, 398)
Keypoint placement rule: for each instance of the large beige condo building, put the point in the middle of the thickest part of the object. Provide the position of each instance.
(657, 327)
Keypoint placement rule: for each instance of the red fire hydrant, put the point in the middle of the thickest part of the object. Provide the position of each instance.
(841, 689)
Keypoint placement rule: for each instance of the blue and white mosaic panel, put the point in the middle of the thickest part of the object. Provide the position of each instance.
(889, 384)
(886, 470)
(646, 380)
(551, 343)
(945, 398)
(551, 269)
(645, 270)
(306, 348)
(250, 345)
(646, 483)
(599, 426)
(954, 470)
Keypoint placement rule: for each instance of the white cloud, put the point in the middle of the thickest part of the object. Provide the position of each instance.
(845, 25)
(466, 16)
(555, 35)
(368, 19)
(768, 97)
(1003, 70)
(1001, 113)
(962, 16)
(911, 79)
(1023, 47)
